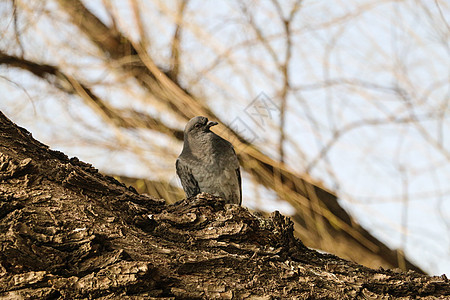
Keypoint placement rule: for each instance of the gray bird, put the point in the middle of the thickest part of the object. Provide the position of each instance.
(208, 163)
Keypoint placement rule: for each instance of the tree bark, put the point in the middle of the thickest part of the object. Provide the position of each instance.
(69, 232)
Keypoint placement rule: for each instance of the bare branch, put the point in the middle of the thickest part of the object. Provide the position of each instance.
(16, 28)
(70, 85)
(176, 43)
(143, 39)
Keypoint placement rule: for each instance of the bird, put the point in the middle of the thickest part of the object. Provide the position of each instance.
(208, 163)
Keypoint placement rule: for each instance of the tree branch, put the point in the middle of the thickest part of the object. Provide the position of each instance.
(70, 85)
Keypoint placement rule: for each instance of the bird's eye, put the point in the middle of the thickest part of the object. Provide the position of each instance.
(197, 125)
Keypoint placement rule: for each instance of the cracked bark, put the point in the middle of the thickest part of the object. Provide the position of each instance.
(69, 232)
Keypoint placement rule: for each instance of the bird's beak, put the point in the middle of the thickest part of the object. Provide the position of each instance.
(211, 124)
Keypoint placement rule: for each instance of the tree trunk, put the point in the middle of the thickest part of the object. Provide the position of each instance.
(70, 232)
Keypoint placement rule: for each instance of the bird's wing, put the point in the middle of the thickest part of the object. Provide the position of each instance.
(238, 173)
(190, 185)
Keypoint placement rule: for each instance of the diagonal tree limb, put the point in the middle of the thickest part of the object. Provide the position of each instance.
(70, 85)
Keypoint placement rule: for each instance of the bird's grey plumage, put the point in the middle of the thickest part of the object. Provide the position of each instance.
(208, 163)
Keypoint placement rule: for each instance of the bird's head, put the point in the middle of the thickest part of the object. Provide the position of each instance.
(198, 125)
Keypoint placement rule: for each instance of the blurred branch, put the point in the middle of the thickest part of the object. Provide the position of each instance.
(135, 61)
(259, 34)
(393, 118)
(404, 95)
(284, 68)
(176, 43)
(143, 40)
(441, 13)
(109, 11)
(68, 84)
(16, 28)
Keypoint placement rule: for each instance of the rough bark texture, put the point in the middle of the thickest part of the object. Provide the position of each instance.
(68, 232)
